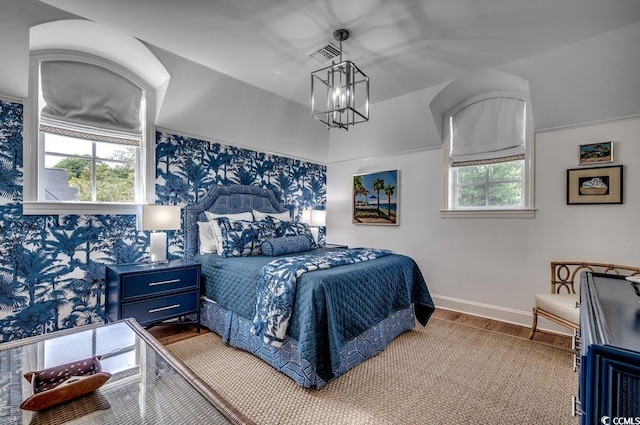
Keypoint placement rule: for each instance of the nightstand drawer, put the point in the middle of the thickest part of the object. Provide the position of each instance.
(144, 284)
(161, 308)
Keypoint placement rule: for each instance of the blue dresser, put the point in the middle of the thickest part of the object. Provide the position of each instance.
(609, 385)
(153, 293)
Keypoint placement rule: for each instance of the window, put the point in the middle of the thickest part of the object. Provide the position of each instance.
(77, 168)
(488, 154)
(489, 186)
(90, 126)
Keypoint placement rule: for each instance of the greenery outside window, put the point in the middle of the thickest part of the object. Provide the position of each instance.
(92, 171)
(490, 186)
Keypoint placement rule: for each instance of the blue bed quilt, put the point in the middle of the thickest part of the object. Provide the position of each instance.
(332, 306)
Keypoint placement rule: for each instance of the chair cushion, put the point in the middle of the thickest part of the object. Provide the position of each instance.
(561, 305)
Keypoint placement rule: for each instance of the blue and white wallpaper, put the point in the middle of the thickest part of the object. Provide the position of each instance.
(186, 168)
(52, 267)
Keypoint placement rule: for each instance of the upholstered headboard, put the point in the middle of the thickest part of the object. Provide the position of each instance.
(226, 200)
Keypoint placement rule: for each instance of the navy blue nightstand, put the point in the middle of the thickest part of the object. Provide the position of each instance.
(153, 293)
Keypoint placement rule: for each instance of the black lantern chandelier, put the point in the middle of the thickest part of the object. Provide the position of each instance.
(340, 92)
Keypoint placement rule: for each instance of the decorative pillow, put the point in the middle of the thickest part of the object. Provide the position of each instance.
(285, 245)
(293, 228)
(241, 238)
(283, 216)
(206, 238)
(247, 216)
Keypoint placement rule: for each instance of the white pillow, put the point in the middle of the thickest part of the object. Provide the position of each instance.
(283, 216)
(206, 238)
(217, 233)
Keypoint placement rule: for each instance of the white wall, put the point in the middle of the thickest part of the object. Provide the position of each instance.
(397, 125)
(494, 267)
(204, 102)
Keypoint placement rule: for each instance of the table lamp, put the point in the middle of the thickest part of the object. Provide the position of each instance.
(315, 219)
(157, 218)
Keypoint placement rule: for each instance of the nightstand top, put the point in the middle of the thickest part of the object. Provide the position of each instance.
(335, 245)
(149, 267)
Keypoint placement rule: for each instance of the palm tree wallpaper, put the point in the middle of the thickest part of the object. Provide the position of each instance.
(52, 267)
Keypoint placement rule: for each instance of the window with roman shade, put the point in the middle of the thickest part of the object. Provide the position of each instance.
(93, 97)
(488, 131)
(88, 136)
(487, 154)
(90, 132)
(81, 96)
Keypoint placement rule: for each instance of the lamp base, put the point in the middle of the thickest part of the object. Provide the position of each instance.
(315, 232)
(158, 247)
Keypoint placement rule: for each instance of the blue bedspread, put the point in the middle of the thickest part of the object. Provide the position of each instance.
(277, 287)
(332, 305)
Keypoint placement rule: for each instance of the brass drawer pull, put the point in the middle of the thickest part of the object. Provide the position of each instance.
(164, 282)
(169, 307)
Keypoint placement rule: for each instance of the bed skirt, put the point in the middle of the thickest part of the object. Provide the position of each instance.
(234, 330)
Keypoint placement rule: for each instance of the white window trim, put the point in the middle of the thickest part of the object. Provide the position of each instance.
(527, 210)
(145, 172)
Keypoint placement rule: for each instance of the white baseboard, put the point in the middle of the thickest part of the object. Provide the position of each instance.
(494, 312)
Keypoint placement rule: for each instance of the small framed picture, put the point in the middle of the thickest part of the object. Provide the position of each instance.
(594, 153)
(596, 185)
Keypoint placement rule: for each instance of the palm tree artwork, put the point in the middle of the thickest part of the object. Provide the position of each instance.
(378, 185)
(368, 212)
(389, 191)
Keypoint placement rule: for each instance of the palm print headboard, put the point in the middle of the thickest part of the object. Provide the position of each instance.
(226, 200)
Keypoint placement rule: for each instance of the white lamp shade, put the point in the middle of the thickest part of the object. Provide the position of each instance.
(318, 218)
(160, 217)
(306, 217)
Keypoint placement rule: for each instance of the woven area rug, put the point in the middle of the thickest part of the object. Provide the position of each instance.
(445, 373)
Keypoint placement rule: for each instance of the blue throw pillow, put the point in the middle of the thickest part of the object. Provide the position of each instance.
(292, 228)
(241, 238)
(285, 245)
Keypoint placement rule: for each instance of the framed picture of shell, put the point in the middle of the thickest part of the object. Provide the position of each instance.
(375, 198)
(595, 185)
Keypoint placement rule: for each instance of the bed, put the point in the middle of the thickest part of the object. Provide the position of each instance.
(341, 316)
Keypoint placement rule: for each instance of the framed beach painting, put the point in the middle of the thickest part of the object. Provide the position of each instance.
(596, 185)
(594, 153)
(375, 198)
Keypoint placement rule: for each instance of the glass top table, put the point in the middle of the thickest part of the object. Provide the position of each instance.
(147, 384)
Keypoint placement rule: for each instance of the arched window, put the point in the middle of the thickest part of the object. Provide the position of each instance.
(89, 126)
(487, 148)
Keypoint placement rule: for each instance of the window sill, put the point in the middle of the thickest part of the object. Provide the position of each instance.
(519, 213)
(77, 208)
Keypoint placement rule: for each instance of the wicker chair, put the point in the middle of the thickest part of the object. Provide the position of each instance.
(562, 304)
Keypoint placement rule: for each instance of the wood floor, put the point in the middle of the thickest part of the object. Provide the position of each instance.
(548, 338)
(168, 334)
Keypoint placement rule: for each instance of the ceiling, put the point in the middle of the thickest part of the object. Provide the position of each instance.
(402, 45)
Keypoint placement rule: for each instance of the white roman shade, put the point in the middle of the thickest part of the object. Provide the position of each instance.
(81, 95)
(488, 131)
